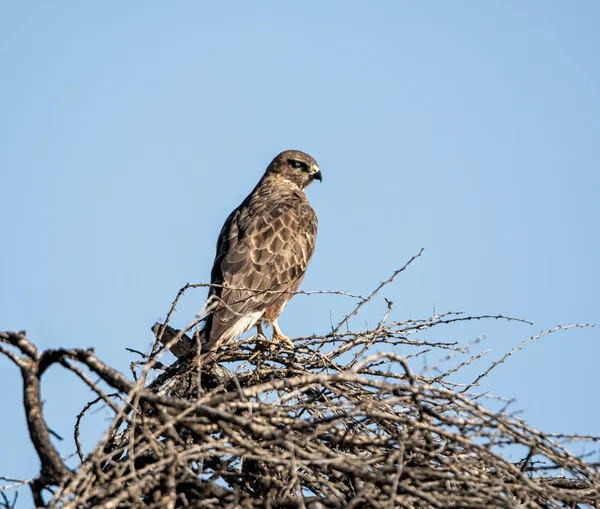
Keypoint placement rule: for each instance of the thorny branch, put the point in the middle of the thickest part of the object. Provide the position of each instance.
(327, 424)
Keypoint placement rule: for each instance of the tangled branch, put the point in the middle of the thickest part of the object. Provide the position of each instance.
(327, 424)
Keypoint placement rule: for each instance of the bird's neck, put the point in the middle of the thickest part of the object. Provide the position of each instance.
(282, 183)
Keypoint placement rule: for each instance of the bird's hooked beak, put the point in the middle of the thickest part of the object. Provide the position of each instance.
(316, 173)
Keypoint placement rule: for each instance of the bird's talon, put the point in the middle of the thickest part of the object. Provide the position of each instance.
(280, 337)
(277, 339)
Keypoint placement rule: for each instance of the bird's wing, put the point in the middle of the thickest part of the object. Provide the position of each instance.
(264, 247)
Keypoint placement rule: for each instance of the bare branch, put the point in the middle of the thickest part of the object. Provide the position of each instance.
(340, 420)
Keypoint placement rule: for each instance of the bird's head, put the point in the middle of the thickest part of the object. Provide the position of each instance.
(295, 166)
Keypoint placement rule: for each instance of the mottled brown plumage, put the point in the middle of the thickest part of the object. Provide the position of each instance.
(263, 251)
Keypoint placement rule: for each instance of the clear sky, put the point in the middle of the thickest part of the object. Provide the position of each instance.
(129, 130)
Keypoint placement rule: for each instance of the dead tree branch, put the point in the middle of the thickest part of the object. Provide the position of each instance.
(327, 424)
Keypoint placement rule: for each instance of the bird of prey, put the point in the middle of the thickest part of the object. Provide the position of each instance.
(263, 251)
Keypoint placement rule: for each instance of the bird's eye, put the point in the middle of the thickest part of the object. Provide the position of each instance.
(297, 165)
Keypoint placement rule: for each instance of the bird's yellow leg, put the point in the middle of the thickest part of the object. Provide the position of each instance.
(280, 337)
(261, 345)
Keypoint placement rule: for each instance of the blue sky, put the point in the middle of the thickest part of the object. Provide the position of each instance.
(130, 130)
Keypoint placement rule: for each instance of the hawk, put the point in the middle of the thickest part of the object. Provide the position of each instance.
(263, 251)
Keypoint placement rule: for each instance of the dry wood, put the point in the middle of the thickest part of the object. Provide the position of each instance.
(328, 424)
